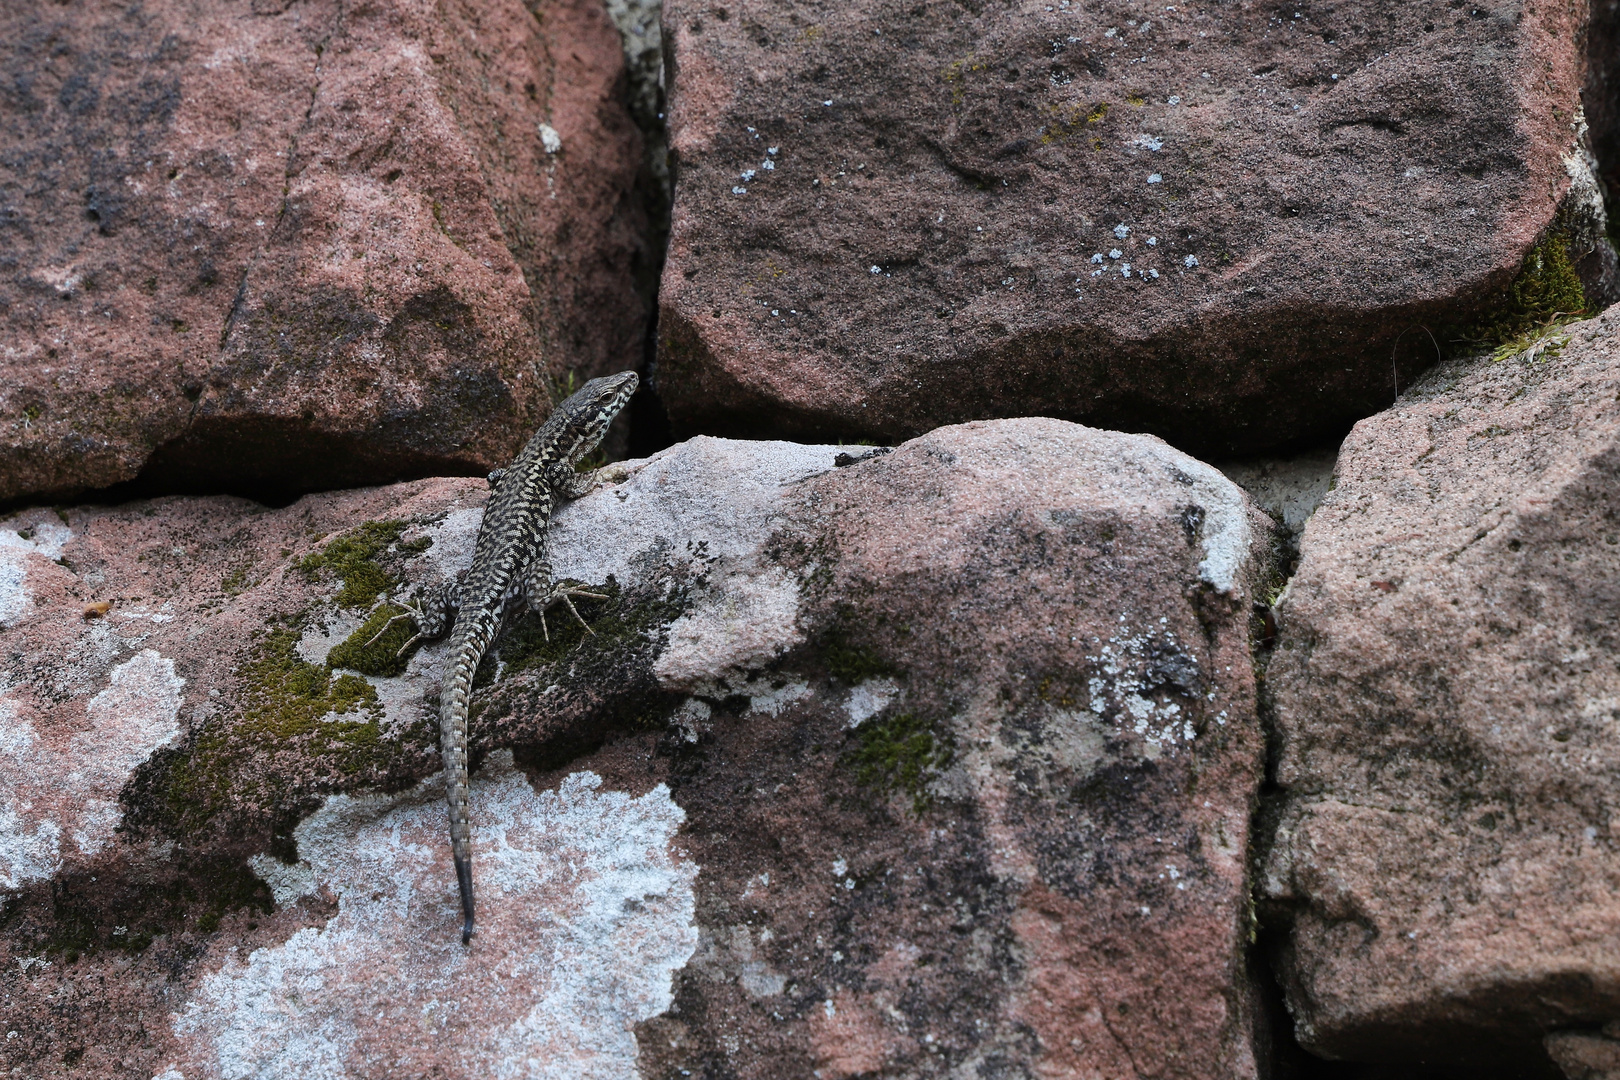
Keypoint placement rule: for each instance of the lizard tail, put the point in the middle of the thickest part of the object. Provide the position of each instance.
(464, 879)
(453, 747)
(454, 700)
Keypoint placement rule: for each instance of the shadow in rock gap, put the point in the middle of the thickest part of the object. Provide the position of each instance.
(275, 463)
(1601, 100)
(1288, 1060)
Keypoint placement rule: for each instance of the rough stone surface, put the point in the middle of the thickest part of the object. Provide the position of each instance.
(1586, 1055)
(1066, 609)
(588, 912)
(1445, 854)
(937, 763)
(1289, 489)
(1209, 221)
(276, 245)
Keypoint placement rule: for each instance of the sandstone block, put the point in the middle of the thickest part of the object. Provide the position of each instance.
(1444, 683)
(281, 246)
(1211, 222)
(937, 761)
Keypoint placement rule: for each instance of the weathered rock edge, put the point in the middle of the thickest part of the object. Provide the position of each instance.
(275, 248)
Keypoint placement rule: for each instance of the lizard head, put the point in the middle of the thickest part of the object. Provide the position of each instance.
(579, 423)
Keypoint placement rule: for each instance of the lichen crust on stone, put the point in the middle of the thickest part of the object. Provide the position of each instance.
(586, 911)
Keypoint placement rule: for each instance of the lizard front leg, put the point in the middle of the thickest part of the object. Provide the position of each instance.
(568, 483)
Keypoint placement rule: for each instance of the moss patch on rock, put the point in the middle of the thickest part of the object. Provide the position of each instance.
(901, 754)
(352, 558)
(325, 721)
(562, 697)
(1546, 290)
(380, 657)
(614, 624)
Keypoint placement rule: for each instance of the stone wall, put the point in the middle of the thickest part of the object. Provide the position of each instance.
(934, 706)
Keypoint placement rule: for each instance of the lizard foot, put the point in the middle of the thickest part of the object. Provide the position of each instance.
(565, 594)
(411, 614)
(431, 616)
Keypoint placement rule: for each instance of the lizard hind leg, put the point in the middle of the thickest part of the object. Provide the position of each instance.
(542, 593)
(432, 614)
(566, 594)
(389, 625)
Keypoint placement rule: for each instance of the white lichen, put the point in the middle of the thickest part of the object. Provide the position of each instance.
(710, 505)
(869, 698)
(50, 792)
(586, 911)
(20, 538)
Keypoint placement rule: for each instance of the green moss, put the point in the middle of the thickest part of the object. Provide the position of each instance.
(614, 623)
(612, 664)
(286, 702)
(1546, 290)
(1539, 343)
(235, 581)
(381, 657)
(901, 754)
(849, 661)
(525, 644)
(352, 558)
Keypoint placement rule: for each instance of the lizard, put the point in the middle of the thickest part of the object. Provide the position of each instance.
(509, 560)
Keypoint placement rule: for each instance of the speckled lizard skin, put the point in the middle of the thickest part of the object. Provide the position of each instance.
(510, 560)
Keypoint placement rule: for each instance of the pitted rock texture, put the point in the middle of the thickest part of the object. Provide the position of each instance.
(993, 820)
(1444, 857)
(1587, 1055)
(960, 741)
(272, 246)
(1209, 221)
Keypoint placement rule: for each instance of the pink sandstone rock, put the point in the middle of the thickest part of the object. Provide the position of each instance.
(937, 762)
(1444, 858)
(1586, 1055)
(288, 246)
(1209, 221)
